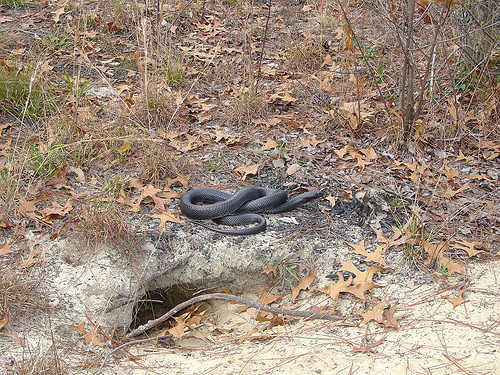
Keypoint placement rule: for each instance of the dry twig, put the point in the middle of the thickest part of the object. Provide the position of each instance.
(228, 297)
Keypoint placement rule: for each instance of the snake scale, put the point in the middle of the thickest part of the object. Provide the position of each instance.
(240, 208)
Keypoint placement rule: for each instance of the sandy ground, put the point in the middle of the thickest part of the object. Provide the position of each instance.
(433, 338)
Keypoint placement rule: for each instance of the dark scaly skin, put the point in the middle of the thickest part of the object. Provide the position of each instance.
(240, 208)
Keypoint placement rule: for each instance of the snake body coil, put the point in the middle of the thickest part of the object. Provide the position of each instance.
(241, 208)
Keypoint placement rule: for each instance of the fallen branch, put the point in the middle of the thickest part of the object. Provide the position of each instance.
(228, 297)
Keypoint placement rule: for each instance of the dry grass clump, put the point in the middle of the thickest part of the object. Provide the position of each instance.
(156, 162)
(304, 56)
(37, 362)
(155, 108)
(164, 84)
(246, 106)
(102, 222)
(8, 189)
(19, 290)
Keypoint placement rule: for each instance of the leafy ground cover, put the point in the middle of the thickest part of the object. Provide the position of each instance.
(110, 110)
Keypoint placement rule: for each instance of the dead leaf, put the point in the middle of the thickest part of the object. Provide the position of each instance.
(451, 172)
(56, 211)
(362, 158)
(369, 153)
(35, 256)
(332, 200)
(328, 60)
(303, 284)
(59, 180)
(361, 277)
(469, 247)
(360, 289)
(310, 141)
(375, 256)
(229, 139)
(80, 328)
(397, 239)
(451, 267)
(273, 319)
(334, 290)
(57, 14)
(376, 313)
(450, 193)
(164, 217)
(245, 170)
(349, 46)
(80, 176)
(270, 144)
(268, 269)
(359, 248)
(4, 321)
(178, 330)
(124, 148)
(93, 338)
(283, 97)
(124, 199)
(28, 208)
(267, 298)
(194, 320)
(461, 156)
(390, 319)
(136, 183)
(434, 251)
(4, 222)
(292, 169)
(5, 248)
(294, 123)
(340, 153)
(452, 109)
(456, 300)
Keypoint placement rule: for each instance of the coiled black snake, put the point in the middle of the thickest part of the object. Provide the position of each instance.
(241, 208)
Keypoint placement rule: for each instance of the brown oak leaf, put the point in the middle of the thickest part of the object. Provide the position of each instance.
(303, 284)
(390, 319)
(164, 217)
(334, 290)
(269, 145)
(469, 247)
(178, 330)
(458, 300)
(376, 313)
(361, 277)
(5, 248)
(375, 256)
(245, 170)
